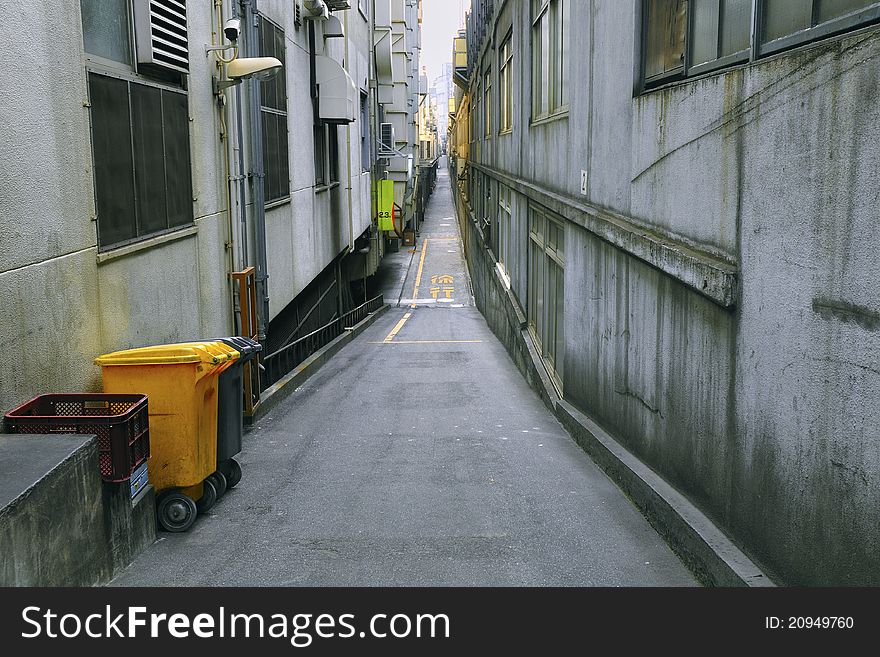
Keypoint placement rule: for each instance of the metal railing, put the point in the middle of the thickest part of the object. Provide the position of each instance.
(280, 363)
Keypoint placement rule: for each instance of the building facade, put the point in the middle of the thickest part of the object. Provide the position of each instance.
(680, 200)
(138, 178)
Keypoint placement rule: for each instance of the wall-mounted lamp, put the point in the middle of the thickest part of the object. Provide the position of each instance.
(244, 68)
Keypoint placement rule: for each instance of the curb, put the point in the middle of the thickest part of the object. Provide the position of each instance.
(279, 391)
(704, 548)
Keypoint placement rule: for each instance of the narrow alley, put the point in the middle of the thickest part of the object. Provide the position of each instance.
(418, 456)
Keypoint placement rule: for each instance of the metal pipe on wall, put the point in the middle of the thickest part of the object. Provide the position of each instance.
(258, 174)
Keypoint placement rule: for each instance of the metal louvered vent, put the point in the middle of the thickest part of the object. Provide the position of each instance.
(297, 13)
(160, 33)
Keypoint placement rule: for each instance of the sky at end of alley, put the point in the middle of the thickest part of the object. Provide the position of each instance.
(441, 20)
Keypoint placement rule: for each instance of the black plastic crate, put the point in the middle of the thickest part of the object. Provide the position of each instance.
(121, 423)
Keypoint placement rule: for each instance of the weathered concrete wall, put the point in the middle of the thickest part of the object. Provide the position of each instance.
(63, 307)
(758, 399)
(59, 524)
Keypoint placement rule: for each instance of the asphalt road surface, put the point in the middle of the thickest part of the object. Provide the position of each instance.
(418, 456)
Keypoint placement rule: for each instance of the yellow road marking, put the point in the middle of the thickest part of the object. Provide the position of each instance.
(419, 273)
(397, 328)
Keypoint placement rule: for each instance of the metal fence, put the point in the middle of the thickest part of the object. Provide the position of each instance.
(280, 363)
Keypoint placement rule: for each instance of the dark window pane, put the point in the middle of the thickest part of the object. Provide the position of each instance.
(268, 93)
(333, 149)
(318, 134)
(829, 9)
(106, 30)
(784, 17)
(666, 26)
(114, 173)
(280, 79)
(704, 34)
(283, 158)
(270, 156)
(736, 24)
(178, 170)
(149, 159)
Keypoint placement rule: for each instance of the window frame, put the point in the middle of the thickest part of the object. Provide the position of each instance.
(758, 49)
(505, 84)
(277, 112)
(555, 11)
(487, 103)
(543, 255)
(129, 72)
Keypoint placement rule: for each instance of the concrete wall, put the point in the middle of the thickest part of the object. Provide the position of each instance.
(756, 397)
(60, 525)
(63, 304)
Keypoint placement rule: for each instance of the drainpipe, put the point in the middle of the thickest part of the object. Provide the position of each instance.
(348, 147)
(258, 174)
(244, 256)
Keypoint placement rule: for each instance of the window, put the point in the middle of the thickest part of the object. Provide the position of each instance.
(106, 29)
(140, 145)
(487, 104)
(505, 67)
(366, 156)
(139, 131)
(546, 291)
(320, 149)
(273, 111)
(333, 151)
(685, 38)
(550, 52)
(504, 230)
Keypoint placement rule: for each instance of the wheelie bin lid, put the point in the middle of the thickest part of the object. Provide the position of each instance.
(247, 347)
(171, 354)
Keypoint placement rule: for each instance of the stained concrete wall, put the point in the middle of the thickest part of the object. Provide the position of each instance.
(759, 401)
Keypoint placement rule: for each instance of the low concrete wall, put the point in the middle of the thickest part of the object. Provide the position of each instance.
(60, 524)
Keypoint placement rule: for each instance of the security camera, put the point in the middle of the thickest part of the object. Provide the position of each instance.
(232, 29)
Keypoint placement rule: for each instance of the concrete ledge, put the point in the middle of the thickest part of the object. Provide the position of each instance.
(702, 546)
(713, 275)
(60, 525)
(283, 388)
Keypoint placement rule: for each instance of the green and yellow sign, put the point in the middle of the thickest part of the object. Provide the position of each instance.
(386, 204)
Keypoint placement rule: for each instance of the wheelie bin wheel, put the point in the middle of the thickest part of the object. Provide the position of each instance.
(208, 498)
(219, 481)
(176, 512)
(232, 470)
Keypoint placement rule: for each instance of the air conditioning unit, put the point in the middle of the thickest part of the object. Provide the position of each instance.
(161, 33)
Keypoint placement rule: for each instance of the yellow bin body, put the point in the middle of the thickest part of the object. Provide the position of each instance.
(181, 384)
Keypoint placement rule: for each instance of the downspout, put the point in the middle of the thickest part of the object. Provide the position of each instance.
(244, 255)
(258, 175)
(348, 145)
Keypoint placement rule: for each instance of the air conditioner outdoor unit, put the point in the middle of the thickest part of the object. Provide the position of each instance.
(161, 33)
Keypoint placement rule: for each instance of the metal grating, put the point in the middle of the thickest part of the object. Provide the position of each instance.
(161, 33)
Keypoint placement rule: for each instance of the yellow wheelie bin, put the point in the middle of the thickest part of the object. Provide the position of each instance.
(180, 381)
